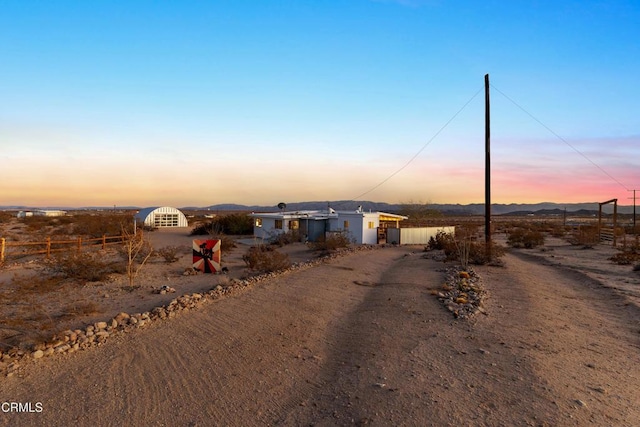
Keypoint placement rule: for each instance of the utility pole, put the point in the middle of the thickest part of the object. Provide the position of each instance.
(634, 211)
(487, 169)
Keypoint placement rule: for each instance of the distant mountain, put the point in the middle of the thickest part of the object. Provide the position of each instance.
(546, 208)
(341, 205)
(554, 212)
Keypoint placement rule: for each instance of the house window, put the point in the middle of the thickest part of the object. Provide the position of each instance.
(346, 225)
(278, 225)
(258, 222)
(294, 224)
(372, 224)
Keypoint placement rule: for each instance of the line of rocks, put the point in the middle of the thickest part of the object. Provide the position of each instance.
(462, 293)
(70, 341)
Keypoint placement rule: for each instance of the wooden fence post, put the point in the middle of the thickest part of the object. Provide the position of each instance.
(79, 244)
(48, 247)
(104, 241)
(2, 245)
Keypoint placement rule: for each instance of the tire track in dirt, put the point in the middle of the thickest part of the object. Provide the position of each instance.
(314, 347)
(244, 360)
(578, 337)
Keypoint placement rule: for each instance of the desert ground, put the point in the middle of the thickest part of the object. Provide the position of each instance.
(359, 339)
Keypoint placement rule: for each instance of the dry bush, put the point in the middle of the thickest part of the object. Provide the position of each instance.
(39, 222)
(76, 309)
(332, 242)
(265, 259)
(233, 224)
(439, 241)
(169, 253)
(137, 250)
(521, 237)
(81, 266)
(26, 317)
(226, 243)
(100, 225)
(585, 236)
(465, 247)
(282, 239)
(628, 255)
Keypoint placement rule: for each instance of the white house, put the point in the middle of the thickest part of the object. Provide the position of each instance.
(362, 227)
(160, 217)
(41, 212)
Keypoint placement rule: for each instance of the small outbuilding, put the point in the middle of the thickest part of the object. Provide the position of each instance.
(162, 217)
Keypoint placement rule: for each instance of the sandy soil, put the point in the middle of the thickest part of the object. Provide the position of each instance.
(361, 340)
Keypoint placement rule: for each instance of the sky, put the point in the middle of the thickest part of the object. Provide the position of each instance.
(195, 103)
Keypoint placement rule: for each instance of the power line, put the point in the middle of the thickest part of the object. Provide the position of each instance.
(560, 138)
(419, 151)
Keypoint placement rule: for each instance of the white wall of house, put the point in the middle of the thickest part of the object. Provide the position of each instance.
(415, 236)
(264, 227)
(362, 227)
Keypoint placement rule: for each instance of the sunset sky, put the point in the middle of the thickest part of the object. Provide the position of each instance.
(193, 103)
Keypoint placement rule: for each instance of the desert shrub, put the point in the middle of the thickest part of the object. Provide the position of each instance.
(226, 243)
(75, 309)
(38, 222)
(236, 224)
(202, 229)
(169, 253)
(419, 213)
(6, 216)
(100, 225)
(331, 242)
(233, 224)
(464, 247)
(82, 266)
(265, 259)
(625, 258)
(627, 255)
(439, 241)
(636, 267)
(521, 237)
(137, 250)
(282, 239)
(585, 236)
(473, 252)
(558, 230)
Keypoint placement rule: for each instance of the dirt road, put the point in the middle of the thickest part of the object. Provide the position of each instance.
(360, 340)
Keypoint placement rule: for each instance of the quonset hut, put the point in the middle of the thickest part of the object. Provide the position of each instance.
(161, 217)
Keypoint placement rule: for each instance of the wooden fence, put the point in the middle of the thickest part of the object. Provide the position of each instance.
(48, 246)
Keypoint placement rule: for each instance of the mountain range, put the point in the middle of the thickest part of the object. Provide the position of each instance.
(546, 208)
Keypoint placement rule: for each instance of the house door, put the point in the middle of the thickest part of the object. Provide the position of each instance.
(382, 234)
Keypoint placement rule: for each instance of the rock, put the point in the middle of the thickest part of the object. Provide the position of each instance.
(120, 317)
(101, 325)
(62, 348)
(580, 403)
(38, 354)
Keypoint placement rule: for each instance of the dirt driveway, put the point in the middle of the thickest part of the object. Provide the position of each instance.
(361, 340)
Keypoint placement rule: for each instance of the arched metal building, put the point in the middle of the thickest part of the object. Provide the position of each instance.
(160, 217)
